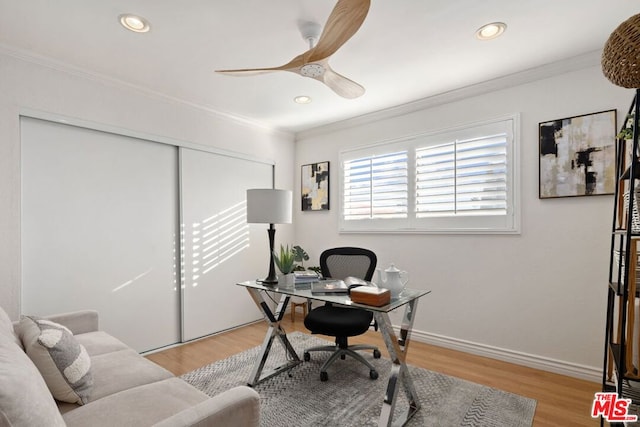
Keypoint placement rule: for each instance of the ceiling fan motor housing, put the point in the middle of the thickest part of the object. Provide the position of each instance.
(312, 70)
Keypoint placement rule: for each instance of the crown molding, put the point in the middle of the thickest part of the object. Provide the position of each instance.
(575, 63)
(53, 64)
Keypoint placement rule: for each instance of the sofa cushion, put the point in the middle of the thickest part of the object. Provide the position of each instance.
(121, 370)
(62, 361)
(238, 406)
(100, 342)
(78, 322)
(138, 406)
(6, 327)
(24, 397)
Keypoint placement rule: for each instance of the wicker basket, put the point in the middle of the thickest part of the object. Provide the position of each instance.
(635, 218)
(620, 259)
(621, 54)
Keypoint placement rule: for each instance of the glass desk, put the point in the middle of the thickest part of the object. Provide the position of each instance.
(396, 346)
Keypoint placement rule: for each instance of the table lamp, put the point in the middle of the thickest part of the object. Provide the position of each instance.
(269, 206)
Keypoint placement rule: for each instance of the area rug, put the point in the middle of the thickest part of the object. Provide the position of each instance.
(351, 398)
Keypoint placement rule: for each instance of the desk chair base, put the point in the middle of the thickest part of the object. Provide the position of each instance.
(342, 351)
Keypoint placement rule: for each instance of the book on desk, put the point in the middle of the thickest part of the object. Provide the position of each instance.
(360, 291)
(329, 287)
(338, 287)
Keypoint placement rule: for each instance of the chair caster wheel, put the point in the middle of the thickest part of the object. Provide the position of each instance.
(376, 354)
(324, 376)
(343, 356)
(306, 356)
(373, 374)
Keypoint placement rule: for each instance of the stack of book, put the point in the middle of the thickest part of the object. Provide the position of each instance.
(306, 276)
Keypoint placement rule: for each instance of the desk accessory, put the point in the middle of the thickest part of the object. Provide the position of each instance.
(393, 280)
(329, 287)
(269, 206)
(370, 295)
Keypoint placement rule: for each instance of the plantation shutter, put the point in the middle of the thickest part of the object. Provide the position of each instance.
(457, 180)
(463, 177)
(376, 187)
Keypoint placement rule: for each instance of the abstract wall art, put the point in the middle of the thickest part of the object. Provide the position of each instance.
(315, 187)
(577, 155)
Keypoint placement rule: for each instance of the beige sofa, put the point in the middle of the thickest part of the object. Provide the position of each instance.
(123, 388)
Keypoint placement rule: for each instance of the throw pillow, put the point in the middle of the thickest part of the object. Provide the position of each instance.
(25, 399)
(62, 361)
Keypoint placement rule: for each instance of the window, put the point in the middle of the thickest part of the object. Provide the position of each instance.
(457, 180)
(462, 177)
(376, 187)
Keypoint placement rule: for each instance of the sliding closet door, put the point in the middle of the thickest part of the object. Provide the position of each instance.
(219, 247)
(99, 230)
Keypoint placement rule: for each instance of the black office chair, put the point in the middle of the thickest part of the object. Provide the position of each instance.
(343, 322)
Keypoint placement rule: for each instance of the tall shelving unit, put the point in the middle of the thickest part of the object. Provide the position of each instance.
(621, 370)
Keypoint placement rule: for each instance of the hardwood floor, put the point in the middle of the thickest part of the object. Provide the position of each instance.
(562, 401)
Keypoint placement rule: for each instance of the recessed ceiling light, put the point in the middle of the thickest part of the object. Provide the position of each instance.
(491, 31)
(134, 23)
(302, 99)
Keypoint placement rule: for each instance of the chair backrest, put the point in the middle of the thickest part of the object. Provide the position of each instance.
(339, 263)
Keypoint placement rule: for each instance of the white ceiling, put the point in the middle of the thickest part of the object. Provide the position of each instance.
(406, 50)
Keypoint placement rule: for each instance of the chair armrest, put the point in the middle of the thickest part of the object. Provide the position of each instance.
(79, 322)
(238, 407)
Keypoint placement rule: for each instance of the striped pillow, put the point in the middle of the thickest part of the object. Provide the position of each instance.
(62, 361)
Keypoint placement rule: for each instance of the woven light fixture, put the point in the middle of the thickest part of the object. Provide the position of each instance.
(621, 54)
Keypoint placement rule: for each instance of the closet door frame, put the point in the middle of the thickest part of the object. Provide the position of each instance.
(179, 145)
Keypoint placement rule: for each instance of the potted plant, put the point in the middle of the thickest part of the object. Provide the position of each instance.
(627, 131)
(301, 256)
(286, 263)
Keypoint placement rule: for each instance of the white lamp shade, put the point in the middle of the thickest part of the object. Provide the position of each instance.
(269, 206)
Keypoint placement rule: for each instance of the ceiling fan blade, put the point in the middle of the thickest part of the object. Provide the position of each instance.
(346, 18)
(247, 71)
(341, 85)
(292, 65)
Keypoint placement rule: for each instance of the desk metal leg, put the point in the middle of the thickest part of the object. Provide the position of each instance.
(399, 375)
(275, 330)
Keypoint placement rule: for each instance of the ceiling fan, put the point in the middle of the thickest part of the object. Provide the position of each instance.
(345, 19)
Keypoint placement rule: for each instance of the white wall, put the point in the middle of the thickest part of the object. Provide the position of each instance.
(538, 297)
(34, 84)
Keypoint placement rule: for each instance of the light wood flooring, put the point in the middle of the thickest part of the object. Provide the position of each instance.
(562, 401)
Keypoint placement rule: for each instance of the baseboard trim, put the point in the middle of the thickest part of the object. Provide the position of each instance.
(574, 370)
(178, 344)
